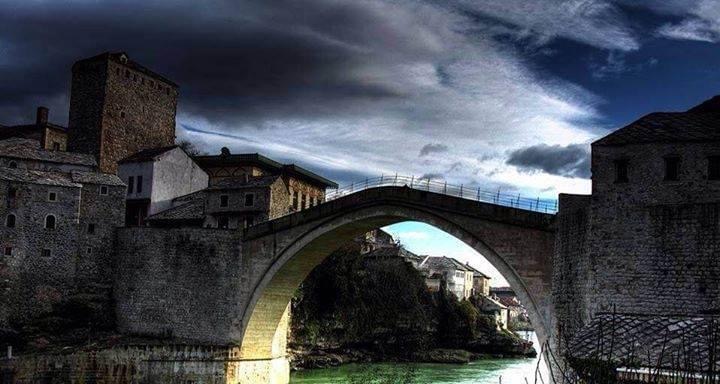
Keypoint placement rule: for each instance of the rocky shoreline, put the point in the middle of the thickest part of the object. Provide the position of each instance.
(303, 357)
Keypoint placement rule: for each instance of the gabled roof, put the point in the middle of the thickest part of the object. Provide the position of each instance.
(19, 148)
(147, 155)
(443, 262)
(59, 179)
(255, 159)
(475, 271)
(96, 178)
(192, 210)
(699, 124)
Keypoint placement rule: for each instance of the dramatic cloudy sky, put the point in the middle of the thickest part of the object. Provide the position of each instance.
(486, 93)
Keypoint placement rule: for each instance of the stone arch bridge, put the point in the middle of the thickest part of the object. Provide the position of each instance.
(226, 288)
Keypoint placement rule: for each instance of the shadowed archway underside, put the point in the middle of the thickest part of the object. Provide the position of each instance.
(518, 243)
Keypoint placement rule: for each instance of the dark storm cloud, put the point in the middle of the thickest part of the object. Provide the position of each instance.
(232, 59)
(570, 161)
(433, 148)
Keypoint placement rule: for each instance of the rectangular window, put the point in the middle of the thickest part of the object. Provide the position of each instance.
(131, 184)
(295, 200)
(621, 171)
(103, 190)
(223, 201)
(89, 250)
(52, 196)
(713, 172)
(46, 253)
(8, 251)
(56, 146)
(303, 201)
(672, 168)
(249, 200)
(139, 184)
(249, 222)
(91, 229)
(223, 222)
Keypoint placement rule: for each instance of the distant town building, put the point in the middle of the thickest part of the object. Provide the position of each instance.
(507, 297)
(497, 310)
(457, 277)
(376, 239)
(155, 177)
(481, 282)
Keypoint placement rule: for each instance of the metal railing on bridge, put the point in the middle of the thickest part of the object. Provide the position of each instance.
(514, 200)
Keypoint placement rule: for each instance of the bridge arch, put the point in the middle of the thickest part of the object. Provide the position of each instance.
(519, 244)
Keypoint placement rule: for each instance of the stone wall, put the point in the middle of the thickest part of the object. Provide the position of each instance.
(100, 216)
(570, 274)
(178, 282)
(35, 282)
(117, 110)
(143, 364)
(654, 243)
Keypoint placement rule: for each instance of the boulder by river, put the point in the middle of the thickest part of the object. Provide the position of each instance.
(355, 309)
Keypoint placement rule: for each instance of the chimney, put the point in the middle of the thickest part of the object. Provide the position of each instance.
(42, 116)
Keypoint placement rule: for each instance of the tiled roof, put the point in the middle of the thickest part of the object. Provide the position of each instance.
(19, 148)
(96, 178)
(147, 155)
(241, 182)
(475, 271)
(59, 179)
(443, 262)
(192, 210)
(652, 341)
(701, 123)
(262, 162)
(27, 130)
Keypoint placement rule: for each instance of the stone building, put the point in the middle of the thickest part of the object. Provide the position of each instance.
(155, 177)
(306, 188)
(24, 153)
(50, 136)
(118, 108)
(57, 231)
(645, 241)
(456, 276)
(244, 189)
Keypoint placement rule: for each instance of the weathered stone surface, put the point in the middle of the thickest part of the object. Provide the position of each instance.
(117, 108)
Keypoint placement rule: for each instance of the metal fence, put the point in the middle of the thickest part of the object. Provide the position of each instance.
(471, 193)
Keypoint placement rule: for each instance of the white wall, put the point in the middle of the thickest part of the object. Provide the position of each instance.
(174, 174)
(137, 169)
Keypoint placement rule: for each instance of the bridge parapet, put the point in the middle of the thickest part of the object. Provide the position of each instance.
(404, 195)
(513, 200)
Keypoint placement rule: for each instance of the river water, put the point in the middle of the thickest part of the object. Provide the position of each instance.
(490, 371)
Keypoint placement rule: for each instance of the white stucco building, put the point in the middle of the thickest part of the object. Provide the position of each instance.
(154, 177)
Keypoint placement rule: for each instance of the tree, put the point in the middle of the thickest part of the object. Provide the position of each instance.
(190, 148)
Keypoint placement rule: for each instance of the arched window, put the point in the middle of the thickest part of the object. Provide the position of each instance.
(10, 221)
(12, 164)
(50, 222)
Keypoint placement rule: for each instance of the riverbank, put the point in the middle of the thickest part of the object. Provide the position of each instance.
(353, 309)
(323, 359)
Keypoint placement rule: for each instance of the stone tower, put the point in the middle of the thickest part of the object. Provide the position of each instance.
(118, 107)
